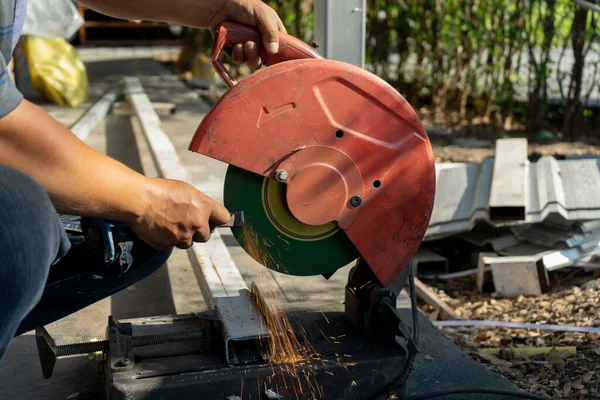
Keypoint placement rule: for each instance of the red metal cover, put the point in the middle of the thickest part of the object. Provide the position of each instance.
(365, 128)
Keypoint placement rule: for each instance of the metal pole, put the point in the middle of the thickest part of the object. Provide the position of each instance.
(340, 30)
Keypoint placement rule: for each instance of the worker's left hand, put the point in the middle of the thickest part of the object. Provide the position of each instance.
(254, 13)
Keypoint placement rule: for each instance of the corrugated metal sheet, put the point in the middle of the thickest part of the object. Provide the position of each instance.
(558, 192)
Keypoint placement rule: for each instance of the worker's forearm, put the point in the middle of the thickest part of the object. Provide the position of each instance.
(79, 180)
(194, 13)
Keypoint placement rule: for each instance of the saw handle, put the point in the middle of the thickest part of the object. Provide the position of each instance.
(230, 33)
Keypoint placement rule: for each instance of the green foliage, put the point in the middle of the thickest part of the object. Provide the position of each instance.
(472, 56)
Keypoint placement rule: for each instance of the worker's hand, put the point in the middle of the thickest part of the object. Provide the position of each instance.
(177, 214)
(254, 13)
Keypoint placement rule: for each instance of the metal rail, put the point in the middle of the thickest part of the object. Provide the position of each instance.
(96, 113)
(221, 283)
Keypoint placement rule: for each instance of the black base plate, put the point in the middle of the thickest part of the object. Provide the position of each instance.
(346, 367)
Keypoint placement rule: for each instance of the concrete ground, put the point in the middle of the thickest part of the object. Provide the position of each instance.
(174, 288)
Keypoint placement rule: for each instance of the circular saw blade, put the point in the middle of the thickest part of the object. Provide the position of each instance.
(272, 236)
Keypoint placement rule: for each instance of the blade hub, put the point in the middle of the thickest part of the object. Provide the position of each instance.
(316, 194)
(322, 179)
(280, 216)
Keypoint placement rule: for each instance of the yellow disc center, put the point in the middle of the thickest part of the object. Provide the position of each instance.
(280, 216)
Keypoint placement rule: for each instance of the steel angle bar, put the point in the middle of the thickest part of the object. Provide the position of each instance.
(221, 283)
(96, 113)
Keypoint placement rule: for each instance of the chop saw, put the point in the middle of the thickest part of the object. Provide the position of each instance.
(328, 161)
(330, 166)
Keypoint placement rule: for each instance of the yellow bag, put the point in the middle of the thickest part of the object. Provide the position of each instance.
(56, 70)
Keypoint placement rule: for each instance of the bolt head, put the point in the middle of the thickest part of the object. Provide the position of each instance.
(356, 201)
(123, 362)
(281, 176)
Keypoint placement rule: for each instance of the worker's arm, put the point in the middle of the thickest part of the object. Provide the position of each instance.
(81, 181)
(202, 14)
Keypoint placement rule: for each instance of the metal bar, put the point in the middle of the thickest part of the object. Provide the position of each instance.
(428, 261)
(96, 113)
(516, 275)
(507, 197)
(566, 258)
(431, 298)
(164, 153)
(221, 283)
(517, 325)
(455, 275)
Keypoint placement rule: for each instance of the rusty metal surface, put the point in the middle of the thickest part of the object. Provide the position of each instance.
(296, 105)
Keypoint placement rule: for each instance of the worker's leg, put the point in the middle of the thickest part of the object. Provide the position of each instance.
(82, 278)
(31, 239)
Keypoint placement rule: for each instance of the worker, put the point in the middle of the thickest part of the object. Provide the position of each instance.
(52, 184)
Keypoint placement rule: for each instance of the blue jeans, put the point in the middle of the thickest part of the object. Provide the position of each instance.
(47, 269)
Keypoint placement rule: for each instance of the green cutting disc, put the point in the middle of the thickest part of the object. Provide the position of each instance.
(274, 237)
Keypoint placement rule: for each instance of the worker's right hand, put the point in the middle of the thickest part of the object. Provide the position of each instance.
(176, 214)
(253, 13)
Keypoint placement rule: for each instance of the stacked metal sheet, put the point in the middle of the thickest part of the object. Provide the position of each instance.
(549, 190)
(548, 208)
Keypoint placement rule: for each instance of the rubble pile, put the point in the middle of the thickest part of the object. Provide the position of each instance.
(515, 239)
(573, 375)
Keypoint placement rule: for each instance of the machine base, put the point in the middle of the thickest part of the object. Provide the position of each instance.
(342, 365)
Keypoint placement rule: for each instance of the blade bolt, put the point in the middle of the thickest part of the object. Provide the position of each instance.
(356, 200)
(281, 176)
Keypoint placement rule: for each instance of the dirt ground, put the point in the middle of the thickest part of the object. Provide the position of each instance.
(575, 301)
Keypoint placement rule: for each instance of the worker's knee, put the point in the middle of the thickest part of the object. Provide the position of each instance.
(30, 229)
(30, 240)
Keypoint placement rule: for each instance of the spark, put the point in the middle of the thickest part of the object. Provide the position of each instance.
(353, 383)
(287, 348)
